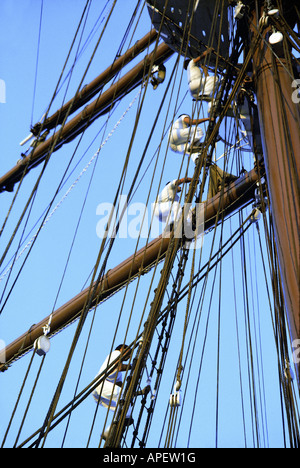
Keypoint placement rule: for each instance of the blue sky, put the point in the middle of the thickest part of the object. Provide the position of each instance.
(35, 293)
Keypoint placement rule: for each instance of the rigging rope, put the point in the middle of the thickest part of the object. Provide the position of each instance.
(25, 169)
(37, 59)
(72, 186)
(82, 318)
(18, 400)
(34, 191)
(175, 298)
(178, 295)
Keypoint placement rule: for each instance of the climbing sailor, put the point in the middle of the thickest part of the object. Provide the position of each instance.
(167, 206)
(204, 87)
(108, 393)
(201, 84)
(185, 135)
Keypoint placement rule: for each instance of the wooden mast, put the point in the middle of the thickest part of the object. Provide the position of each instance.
(236, 195)
(280, 129)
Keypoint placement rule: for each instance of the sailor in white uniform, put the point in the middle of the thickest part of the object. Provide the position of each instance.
(185, 135)
(168, 209)
(201, 84)
(108, 393)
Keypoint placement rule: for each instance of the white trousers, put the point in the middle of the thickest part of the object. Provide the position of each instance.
(182, 138)
(110, 395)
(203, 86)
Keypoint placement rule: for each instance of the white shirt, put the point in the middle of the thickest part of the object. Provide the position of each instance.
(169, 193)
(108, 392)
(182, 135)
(167, 207)
(108, 361)
(108, 389)
(198, 82)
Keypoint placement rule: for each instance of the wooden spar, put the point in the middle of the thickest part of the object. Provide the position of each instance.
(280, 130)
(90, 90)
(237, 194)
(87, 116)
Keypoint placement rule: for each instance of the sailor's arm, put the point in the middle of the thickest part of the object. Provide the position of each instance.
(190, 121)
(184, 180)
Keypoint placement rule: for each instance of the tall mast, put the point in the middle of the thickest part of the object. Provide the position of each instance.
(280, 130)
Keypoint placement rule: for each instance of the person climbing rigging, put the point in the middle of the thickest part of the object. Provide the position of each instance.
(185, 135)
(167, 207)
(201, 84)
(108, 393)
